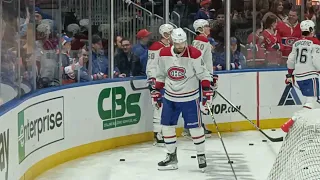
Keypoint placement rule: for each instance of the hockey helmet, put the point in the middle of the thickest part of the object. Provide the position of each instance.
(200, 23)
(178, 35)
(307, 25)
(165, 28)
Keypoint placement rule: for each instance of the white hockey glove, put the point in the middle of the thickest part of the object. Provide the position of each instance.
(214, 82)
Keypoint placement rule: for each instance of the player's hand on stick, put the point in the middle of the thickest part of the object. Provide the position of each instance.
(214, 82)
(152, 84)
(207, 93)
(289, 79)
(157, 98)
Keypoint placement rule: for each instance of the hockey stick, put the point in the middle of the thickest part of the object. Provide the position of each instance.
(220, 137)
(279, 139)
(137, 88)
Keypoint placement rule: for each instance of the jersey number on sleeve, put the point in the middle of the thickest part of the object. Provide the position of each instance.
(301, 55)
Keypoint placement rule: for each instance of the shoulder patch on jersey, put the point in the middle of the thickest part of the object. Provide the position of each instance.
(201, 38)
(156, 46)
(166, 51)
(194, 53)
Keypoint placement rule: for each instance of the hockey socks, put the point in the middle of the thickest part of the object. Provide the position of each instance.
(170, 138)
(198, 138)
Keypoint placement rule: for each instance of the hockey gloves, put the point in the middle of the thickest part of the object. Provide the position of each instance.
(214, 82)
(156, 95)
(157, 98)
(289, 79)
(206, 91)
(152, 84)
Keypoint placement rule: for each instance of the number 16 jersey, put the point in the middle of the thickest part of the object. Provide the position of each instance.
(304, 58)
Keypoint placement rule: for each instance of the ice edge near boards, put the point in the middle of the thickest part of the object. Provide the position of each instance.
(279, 139)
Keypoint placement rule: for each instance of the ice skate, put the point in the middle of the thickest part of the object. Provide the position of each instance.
(170, 163)
(158, 139)
(186, 134)
(202, 162)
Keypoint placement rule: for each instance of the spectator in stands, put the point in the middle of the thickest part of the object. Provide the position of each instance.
(46, 57)
(127, 62)
(309, 12)
(218, 30)
(271, 41)
(260, 59)
(68, 63)
(215, 55)
(204, 12)
(99, 60)
(73, 31)
(141, 48)
(39, 15)
(117, 44)
(262, 6)
(276, 10)
(288, 31)
(237, 59)
(83, 62)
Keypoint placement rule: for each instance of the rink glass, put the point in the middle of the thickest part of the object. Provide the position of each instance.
(26, 62)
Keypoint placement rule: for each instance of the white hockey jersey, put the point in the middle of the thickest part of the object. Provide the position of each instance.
(304, 59)
(153, 58)
(202, 43)
(181, 73)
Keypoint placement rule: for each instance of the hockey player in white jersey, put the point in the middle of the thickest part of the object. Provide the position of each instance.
(152, 65)
(201, 42)
(180, 70)
(303, 67)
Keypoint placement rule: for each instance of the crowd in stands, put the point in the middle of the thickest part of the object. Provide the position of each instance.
(277, 27)
(62, 57)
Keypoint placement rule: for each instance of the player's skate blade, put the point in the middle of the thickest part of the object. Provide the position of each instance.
(170, 163)
(202, 162)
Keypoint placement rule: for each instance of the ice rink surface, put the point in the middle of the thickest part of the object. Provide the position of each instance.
(251, 162)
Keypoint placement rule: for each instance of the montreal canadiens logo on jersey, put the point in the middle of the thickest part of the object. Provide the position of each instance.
(176, 73)
(288, 41)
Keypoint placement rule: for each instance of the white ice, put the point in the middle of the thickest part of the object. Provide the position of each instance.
(249, 162)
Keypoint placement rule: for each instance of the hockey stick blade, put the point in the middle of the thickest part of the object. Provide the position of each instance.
(279, 139)
(137, 88)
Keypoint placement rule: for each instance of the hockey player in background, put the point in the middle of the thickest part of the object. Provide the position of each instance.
(202, 43)
(304, 66)
(180, 69)
(152, 65)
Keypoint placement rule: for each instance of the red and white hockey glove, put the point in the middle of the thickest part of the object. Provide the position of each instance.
(287, 125)
(289, 79)
(156, 95)
(157, 98)
(207, 92)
